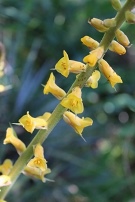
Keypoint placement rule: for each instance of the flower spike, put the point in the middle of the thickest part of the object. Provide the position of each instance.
(52, 88)
(77, 123)
(74, 101)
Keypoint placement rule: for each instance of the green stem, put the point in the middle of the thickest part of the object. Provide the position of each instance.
(59, 110)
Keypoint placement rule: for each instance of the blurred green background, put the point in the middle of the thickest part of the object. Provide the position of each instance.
(35, 33)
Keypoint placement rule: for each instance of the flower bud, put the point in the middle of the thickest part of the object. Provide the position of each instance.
(109, 22)
(117, 48)
(116, 4)
(98, 24)
(89, 42)
(130, 17)
(122, 38)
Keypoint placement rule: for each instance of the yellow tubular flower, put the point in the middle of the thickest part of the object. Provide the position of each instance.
(62, 66)
(52, 88)
(6, 167)
(38, 161)
(14, 140)
(36, 173)
(94, 56)
(30, 123)
(5, 180)
(89, 42)
(77, 123)
(76, 67)
(93, 79)
(74, 101)
(122, 38)
(109, 73)
(117, 48)
(27, 122)
(98, 24)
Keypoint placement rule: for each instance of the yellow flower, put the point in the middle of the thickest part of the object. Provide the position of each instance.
(14, 140)
(93, 79)
(62, 66)
(74, 101)
(36, 173)
(89, 42)
(76, 67)
(94, 56)
(6, 167)
(37, 167)
(52, 88)
(109, 73)
(30, 123)
(5, 180)
(77, 123)
(38, 161)
(117, 48)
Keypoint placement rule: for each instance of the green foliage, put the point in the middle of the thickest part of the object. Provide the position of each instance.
(102, 169)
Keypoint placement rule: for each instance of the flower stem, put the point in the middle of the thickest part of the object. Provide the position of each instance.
(59, 110)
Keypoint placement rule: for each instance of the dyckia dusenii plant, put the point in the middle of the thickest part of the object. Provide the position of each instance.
(71, 103)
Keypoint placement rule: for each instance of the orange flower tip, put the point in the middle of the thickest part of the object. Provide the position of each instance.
(62, 66)
(5, 180)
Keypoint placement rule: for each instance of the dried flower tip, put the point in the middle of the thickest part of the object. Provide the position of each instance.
(98, 24)
(52, 88)
(62, 66)
(122, 38)
(109, 22)
(130, 17)
(5, 180)
(117, 48)
(12, 138)
(6, 167)
(116, 4)
(76, 67)
(93, 79)
(89, 42)
(73, 101)
(94, 56)
(77, 123)
(109, 73)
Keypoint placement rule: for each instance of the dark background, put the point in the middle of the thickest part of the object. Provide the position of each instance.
(35, 33)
